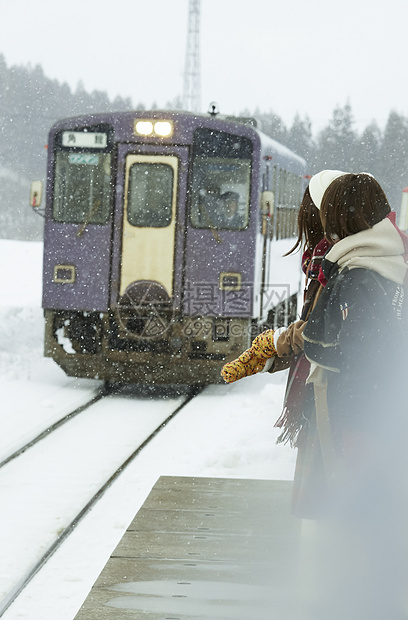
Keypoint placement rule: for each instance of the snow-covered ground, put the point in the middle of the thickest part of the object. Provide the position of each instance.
(226, 432)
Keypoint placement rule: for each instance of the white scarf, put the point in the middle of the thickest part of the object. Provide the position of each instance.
(379, 248)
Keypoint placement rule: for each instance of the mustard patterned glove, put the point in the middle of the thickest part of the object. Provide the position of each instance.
(246, 364)
(263, 345)
(252, 360)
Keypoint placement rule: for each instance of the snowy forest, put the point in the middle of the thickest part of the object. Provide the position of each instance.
(30, 103)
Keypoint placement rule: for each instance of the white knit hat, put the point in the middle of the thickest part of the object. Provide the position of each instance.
(320, 182)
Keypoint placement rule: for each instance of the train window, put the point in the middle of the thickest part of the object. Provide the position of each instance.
(289, 197)
(82, 187)
(220, 193)
(150, 195)
(221, 180)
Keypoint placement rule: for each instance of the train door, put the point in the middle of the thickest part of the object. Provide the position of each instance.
(151, 235)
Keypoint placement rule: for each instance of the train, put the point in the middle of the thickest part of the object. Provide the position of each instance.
(163, 240)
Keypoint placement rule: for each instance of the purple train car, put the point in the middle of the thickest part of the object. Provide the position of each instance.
(163, 239)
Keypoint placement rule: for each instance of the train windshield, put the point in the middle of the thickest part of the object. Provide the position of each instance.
(221, 180)
(150, 195)
(82, 187)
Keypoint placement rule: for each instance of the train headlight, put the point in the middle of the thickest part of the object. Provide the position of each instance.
(158, 129)
(144, 128)
(163, 129)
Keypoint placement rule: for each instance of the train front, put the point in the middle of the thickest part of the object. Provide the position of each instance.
(150, 247)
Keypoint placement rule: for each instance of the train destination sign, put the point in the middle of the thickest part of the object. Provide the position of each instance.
(85, 139)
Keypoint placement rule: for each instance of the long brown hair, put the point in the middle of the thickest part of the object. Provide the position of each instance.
(310, 229)
(352, 202)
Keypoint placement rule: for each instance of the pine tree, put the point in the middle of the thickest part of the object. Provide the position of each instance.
(300, 140)
(272, 125)
(336, 144)
(368, 150)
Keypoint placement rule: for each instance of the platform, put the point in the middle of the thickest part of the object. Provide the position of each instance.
(201, 549)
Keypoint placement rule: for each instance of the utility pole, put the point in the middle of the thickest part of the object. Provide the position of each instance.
(192, 67)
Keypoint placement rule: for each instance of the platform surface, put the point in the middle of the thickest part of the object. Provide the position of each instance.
(203, 549)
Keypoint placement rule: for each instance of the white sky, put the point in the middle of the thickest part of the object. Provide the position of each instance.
(292, 56)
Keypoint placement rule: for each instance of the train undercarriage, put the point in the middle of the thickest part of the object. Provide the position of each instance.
(132, 349)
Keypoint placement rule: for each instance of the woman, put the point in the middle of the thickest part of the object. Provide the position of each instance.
(283, 348)
(356, 342)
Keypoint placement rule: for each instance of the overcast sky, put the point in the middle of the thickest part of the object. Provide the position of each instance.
(288, 56)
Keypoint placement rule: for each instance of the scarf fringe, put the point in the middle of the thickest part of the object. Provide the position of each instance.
(293, 420)
(293, 426)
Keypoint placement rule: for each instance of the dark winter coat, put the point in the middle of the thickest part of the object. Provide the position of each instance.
(357, 331)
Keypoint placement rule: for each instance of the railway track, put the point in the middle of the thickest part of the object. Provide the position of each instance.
(51, 428)
(7, 601)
